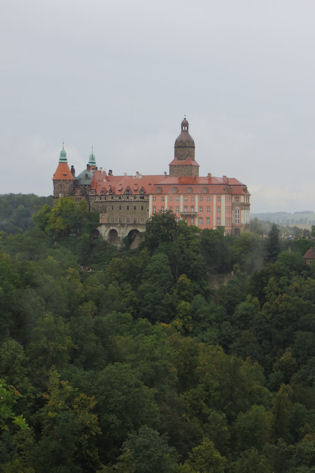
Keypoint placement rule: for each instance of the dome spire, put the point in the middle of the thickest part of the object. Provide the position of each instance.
(92, 160)
(63, 154)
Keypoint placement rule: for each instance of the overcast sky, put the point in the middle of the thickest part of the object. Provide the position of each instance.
(121, 74)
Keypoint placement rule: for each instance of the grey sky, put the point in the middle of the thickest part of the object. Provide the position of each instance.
(121, 75)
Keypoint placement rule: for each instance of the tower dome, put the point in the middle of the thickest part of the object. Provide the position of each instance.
(63, 155)
(184, 144)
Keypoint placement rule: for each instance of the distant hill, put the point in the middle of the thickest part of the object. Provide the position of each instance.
(305, 217)
(17, 210)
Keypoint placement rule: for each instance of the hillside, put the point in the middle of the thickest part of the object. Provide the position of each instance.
(17, 211)
(287, 218)
(138, 365)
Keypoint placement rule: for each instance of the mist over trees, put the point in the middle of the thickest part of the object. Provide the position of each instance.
(193, 353)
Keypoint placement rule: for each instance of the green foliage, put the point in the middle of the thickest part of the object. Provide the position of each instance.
(185, 355)
(17, 211)
(272, 244)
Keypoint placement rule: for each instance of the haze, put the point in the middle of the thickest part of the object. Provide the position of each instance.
(121, 75)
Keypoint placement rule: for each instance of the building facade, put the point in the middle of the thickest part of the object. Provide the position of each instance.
(125, 203)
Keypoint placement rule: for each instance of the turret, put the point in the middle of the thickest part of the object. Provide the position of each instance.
(63, 177)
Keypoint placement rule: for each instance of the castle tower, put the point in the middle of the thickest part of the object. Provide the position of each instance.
(63, 177)
(184, 163)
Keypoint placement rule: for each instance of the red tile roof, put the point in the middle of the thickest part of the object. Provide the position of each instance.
(118, 184)
(310, 254)
(62, 172)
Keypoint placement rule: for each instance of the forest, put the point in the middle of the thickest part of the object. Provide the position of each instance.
(193, 353)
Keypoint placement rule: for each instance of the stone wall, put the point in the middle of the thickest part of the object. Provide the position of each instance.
(182, 170)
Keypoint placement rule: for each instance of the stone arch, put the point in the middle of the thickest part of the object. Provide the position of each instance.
(113, 237)
(134, 238)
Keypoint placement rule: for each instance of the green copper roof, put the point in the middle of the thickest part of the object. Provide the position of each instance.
(63, 156)
(92, 161)
(85, 177)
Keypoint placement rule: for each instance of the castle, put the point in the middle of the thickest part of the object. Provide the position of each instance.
(125, 203)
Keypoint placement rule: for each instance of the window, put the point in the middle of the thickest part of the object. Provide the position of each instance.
(162, 198)
(219, 198)
(159, 190)
(208, 221)
(204, 190)
(192, 221)
(162, 208)
(127, 207)
(171, 209)
(208, 210)
(201, 198)
(192, 208)
(236, 198)
(201, 221)
(219, 210)
(200, 209)
(120, 207)
(141, 207)
(154, 210)
(135, 207)
(185, 208)
(218, 220)
(154, 198)
(192, 199)
(177, 210)
(189, 190)
(177, 198)
(174, 190)
(185, 198)
(171, 198)
(237, 216)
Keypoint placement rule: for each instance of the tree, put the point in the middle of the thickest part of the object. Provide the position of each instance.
(251, 461)
(69, 430)
(124, 404)
(161, 228)
(205, 458)
(156, 283)
(272, 244)
(148, 451)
